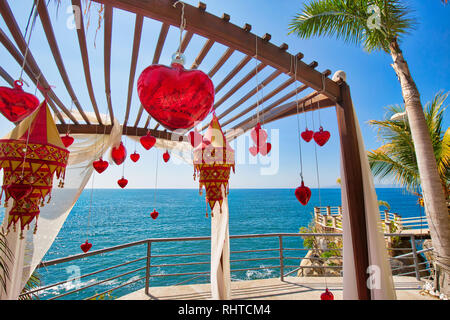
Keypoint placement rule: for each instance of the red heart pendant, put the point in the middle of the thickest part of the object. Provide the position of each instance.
(327, 295)
(195, 138)
(135, 157)
(154, 214)
(166, 156)
(253, 151)
(19, 191)
(119, 154)
(307, 135)
(321, 137)
(100, 165)
(258, 135)
(67, 140)
(265, 149)
(16, 104)
(175, 97)
(86, 246)
(303, 194)
(148, 141)
(122, 182)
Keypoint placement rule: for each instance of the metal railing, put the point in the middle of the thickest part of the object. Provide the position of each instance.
(148, 268)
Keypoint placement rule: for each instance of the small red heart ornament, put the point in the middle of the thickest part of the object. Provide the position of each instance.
(122, 182)
(258, 135)
(19, 191)
(119, 154)
(16, 104)
(303, 194)
(86, 246)
(154, 214)
(174, 96)
(100, 165)
(195, 138)
(135, 157)
(327, 295)
(321, 137)
(148, 141)
(67, 140)
(307, 135)
(166, 156)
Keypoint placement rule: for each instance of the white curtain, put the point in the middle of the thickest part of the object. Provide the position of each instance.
(220, 252)
(380, 276)
(28, 253)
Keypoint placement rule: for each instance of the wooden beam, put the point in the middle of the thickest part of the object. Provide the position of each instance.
(353, 185)
(85, 58)
(51, 39)
(221, 61)
(134, 57)
(5, 75)
(108, 21)
(206, 47)
(233, 72)
(230, 35)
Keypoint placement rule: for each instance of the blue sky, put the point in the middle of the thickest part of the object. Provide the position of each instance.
(373, 82)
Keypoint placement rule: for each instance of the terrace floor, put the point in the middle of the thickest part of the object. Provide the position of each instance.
(292, 288)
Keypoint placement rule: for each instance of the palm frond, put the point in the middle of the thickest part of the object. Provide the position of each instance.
(33, 283)
(6, 256)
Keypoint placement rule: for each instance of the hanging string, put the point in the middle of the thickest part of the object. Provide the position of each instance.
(256, 77)
(156, 178)
(33, 13)
(92, 192)
(298, 123)
(182, 25)
(323, 90)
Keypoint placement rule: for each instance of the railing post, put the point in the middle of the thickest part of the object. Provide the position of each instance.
(328, 211)
(280, 238)
(414, 251)
(147, 268)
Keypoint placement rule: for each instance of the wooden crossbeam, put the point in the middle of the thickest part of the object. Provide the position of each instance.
(51, 39)
(206, 47)
(233, 72)
(5, 75)
(221, 62)
(107, 58)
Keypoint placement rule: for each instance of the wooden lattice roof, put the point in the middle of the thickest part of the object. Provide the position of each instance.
(214, 29)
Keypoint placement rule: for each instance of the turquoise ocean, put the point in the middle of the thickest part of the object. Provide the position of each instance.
(123, 216)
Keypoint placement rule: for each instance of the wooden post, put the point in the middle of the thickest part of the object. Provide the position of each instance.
(353, 184)
(147, 267)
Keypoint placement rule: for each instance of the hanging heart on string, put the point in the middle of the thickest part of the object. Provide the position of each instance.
(327, 295)
(147, 141)
(263, 150)
(154, 214)
(195, 138)
(19, 191)
(86, 246)
(16, 104)
(303, 194)
(122, 182)
(166, 156)
(135, 157)
(321, 137)
(307, 135)
(259, 137)
(67, 140)
(119, 154)
(100, 165)
(174, 96)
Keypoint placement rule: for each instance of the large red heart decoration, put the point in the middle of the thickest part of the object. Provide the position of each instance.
(303, 194)
(67, 140)
(307, 135)
(148, 141)
(154, 214)
(86, 246)
(135, 157)
(321, 137)
(122, 182)
(16, 104)
(100, 165)
(195, 138)
(119, 154)
(166, 156)
(327, 295)
(19, 191)
(174, 96)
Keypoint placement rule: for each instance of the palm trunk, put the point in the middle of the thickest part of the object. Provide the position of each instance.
(433, 195)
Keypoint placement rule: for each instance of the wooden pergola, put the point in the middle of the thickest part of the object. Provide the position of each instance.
(327, 93)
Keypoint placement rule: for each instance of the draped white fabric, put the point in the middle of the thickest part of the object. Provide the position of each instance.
(220, 252)
(28, 253)
(380, 275)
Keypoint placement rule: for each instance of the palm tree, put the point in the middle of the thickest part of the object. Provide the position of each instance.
(394, 160)
(379, 25)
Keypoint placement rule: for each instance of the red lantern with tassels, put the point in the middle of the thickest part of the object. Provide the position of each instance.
(213, 161)
(174, 96)
(30, 156)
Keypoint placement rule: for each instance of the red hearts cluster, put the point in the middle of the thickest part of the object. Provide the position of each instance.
(119, 154)
(67, 140)
(16, 104)
(154, 214)
(100, 165)
(175, 97)
(259, 137)
(122, 182)
(327, 295)
(303, 194)
(148, 141)
(320, 137)
(135, 157)
(86, 246)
